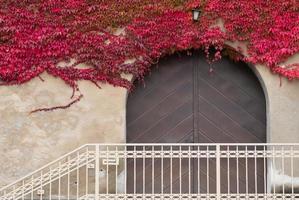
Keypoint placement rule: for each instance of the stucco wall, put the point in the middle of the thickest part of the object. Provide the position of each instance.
(27, 142)
(282, 107)
(282, 98)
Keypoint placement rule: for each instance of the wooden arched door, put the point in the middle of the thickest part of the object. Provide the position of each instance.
(184, 102)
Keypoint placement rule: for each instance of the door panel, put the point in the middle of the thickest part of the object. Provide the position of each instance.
(166, 103)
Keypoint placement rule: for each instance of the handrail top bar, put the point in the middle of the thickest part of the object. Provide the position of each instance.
(193, 144)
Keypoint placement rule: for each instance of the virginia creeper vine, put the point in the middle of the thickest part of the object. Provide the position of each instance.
(35, 35)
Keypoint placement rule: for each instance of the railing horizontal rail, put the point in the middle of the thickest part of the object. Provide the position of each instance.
(192, 144)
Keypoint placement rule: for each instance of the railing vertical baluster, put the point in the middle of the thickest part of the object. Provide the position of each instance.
(162, 170)
(292, 169)
(208, 170)
(283, 170)
(31, 187)
(134, 169)
(23, 197)
(198, 169)
(126, 171)
(218, 170)
(189, 170)
(228, 171)
(107, 172)
(180, 168)
(41, 186)
(14, 188)
(86, 172)
(246, 169)
(59, 182)
(78, 176)
(143, 172)
(171, 155)
(68, 178)
(50, 189)
(116, 170)
(97, 171)
(153, 170)
(265, 169)
(273, 168)
(255, 171)
(237, 165)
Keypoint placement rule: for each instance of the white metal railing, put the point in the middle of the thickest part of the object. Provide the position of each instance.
(165, 171)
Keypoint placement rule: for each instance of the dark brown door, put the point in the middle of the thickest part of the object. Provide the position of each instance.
(183, 101)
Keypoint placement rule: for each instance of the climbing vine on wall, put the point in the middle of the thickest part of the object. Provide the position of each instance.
(36, 35)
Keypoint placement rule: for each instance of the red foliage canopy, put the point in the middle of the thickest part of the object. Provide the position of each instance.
(35, 35)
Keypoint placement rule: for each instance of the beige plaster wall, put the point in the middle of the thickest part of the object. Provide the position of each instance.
(282, 124)
(282, 106)
(27, 142)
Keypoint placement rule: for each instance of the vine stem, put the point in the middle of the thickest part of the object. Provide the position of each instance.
(57, 107)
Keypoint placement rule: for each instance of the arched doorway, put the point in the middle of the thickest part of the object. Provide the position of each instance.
(183, 101)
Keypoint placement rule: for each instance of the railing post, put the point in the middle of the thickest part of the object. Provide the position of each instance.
(97, 172)
(218, 170)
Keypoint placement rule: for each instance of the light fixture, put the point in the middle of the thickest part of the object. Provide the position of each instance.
(196, 14)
